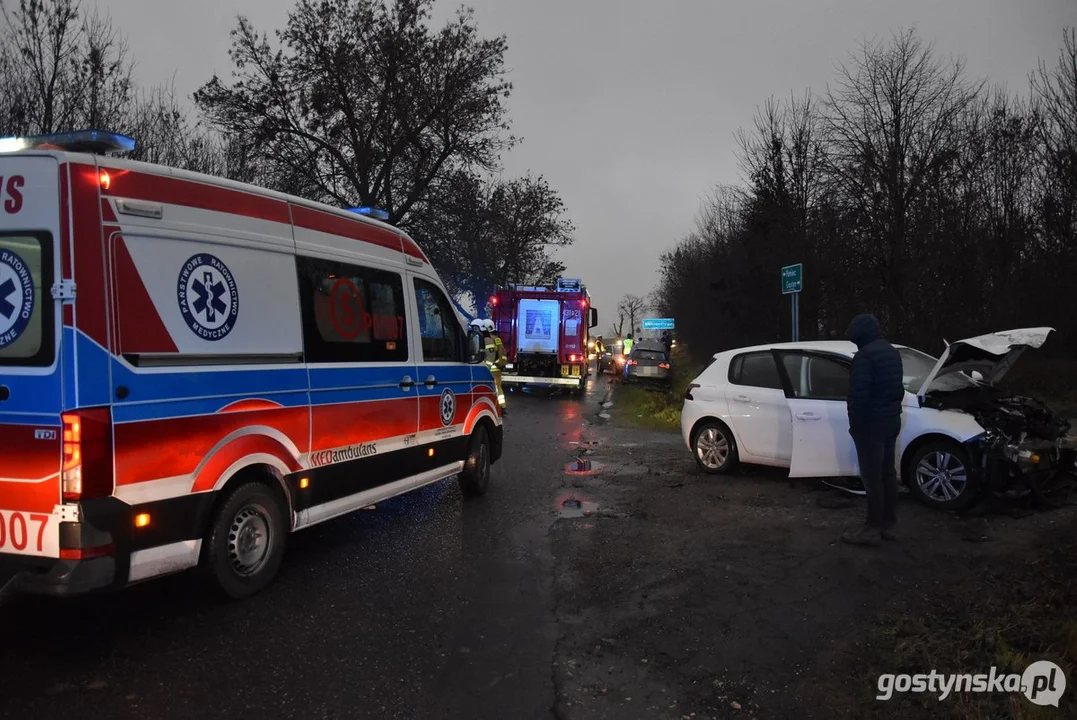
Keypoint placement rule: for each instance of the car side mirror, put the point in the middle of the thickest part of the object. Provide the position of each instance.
(475, 347)
(594, 318)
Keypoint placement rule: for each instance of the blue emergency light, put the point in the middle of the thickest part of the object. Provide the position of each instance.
(97, 142)
(376, 213)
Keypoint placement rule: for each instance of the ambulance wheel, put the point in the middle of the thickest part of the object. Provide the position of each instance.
(475, 477)
(245, 546)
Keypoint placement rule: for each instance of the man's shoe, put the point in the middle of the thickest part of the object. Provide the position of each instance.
(887, 533)
(866, 535)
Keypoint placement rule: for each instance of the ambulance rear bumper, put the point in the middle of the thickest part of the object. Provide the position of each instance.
(99, 537)
(58, 578)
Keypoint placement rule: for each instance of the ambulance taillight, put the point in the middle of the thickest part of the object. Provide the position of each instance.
(87, 455)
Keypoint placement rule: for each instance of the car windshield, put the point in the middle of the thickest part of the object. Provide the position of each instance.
(916, 366)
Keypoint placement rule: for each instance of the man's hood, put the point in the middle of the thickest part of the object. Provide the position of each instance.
(992, 355)
(864, 329)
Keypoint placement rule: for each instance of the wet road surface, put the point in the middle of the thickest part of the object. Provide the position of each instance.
(427, 607)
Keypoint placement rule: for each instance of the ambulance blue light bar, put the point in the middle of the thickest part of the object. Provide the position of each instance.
(98, 142)
(376, 213)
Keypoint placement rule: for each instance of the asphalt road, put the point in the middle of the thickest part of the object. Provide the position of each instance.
(429, 606)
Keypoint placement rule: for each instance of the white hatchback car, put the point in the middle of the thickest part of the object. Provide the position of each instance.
(784, 405)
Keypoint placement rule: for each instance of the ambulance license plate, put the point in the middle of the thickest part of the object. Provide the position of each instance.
(26, 533)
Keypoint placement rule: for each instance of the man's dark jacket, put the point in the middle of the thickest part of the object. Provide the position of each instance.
(875, 382)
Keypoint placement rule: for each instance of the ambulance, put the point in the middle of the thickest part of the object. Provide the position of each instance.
(193, 368)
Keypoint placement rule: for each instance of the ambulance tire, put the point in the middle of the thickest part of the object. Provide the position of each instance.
(240, 566)
(475, 477)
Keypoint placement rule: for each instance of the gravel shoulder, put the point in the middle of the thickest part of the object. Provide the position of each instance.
(681, 595)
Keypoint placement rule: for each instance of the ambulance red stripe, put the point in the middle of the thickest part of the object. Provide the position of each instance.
(168, 448)
(235, 451)
(90, 261)
(159, 188)
(27, 457)
(335, 426)
(140, 329)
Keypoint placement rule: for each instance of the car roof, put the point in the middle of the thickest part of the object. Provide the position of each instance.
(840, 347)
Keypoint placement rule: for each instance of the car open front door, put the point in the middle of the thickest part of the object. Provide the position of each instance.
(817, 391)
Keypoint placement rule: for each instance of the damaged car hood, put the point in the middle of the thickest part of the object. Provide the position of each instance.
(992, 355)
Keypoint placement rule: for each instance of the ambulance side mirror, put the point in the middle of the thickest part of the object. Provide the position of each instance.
(594, 318)
(476, 351)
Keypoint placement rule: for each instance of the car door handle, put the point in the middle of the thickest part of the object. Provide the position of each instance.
(742, 399)
(808, 416)
(407, 383)
(430, 381)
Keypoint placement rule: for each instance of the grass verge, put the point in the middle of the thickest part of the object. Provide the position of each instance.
(654, 408)
(1008, 613)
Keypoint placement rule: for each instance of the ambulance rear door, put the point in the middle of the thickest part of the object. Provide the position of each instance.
(31, 377)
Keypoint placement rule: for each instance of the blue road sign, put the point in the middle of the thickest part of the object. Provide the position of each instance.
(657, 323)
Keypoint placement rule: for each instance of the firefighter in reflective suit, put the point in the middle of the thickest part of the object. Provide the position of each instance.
(496, 358)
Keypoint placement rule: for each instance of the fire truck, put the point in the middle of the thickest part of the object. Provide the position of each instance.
(545, 331)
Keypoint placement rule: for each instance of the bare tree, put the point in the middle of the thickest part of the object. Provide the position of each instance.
(784, 160)
(1054, 97)
(631, 307)
(364, 103)
(893, 130)
(482, 232)
(104, 74)
(60, 71)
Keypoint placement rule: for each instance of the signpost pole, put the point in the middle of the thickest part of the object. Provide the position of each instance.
(794, 302)
(792, 283)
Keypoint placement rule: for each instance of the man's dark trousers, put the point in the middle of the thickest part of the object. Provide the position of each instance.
(875, 451)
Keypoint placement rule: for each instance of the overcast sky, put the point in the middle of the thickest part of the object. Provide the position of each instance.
(628, 107)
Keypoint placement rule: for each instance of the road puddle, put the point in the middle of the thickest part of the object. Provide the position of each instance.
(573, 507)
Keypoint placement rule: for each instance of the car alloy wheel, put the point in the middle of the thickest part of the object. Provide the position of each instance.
(714, 448)
(941, 476)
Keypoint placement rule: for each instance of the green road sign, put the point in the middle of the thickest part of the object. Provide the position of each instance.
(792, 278)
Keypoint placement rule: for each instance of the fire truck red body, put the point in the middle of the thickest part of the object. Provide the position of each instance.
(545, 331)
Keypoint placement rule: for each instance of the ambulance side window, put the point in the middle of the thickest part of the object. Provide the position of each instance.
(27, 318)
(440, 330)
(351, 313)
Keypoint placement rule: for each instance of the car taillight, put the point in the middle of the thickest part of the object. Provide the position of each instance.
(688, 392)
(87, 448)
(633, 362)
(664, 366)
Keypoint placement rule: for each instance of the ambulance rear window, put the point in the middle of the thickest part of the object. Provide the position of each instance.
(352, 313)
(27, 319)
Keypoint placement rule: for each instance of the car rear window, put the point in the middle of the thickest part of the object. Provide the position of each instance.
(755, 370)
(27, 335)
(649, 355)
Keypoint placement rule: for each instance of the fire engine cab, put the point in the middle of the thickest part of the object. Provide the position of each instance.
(545, 331)
(192, 368)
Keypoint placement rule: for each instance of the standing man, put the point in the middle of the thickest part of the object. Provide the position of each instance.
(497, 357)
(876, 391)
(628, 344)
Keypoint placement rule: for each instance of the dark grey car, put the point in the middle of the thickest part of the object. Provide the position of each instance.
(648, 363)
